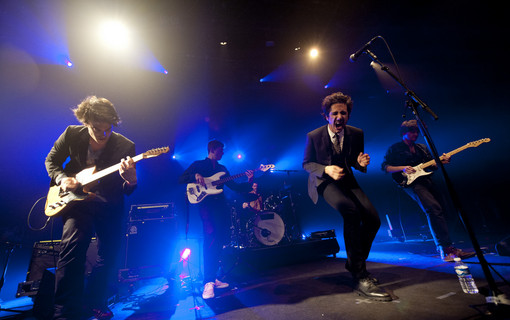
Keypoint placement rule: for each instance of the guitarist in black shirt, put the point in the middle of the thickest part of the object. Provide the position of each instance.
(214, 211)
(400, 158)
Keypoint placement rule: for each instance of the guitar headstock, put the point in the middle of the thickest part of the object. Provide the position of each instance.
(478, 142)
(266, 167)
(155, 152)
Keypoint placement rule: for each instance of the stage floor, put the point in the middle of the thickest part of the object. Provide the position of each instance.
(422, 286)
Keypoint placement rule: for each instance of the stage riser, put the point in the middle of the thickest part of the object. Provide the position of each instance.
(246, 260)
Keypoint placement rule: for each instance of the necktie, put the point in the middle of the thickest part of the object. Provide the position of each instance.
(336, 143)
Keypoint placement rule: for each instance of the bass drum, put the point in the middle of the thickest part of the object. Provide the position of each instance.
(268, 228)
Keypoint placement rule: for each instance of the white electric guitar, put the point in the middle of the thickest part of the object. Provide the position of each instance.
(58, 200)
(405, 179)
(196, 192)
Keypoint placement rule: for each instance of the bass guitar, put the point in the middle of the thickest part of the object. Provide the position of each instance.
(196, 192)
(405, 179)
(59, 201)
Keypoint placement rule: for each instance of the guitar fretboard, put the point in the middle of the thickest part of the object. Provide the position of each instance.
(98, 175)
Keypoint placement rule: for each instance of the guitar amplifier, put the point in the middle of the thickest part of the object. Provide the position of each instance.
(45, 257)
(157, 211)
(151, 238)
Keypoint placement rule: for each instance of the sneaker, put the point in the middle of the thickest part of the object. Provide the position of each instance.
(103, 313)
(448, 254)
(220, 285)
(208, 291)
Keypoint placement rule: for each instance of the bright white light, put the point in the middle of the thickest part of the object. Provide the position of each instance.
(314, 53)
(114, 34)
(185, 254)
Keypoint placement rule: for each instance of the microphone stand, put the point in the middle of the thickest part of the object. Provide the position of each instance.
(494, 302)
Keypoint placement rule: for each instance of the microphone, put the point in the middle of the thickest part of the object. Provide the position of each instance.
(358, 53)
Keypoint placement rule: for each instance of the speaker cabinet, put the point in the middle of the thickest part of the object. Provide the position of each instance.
(150, 242)
(45, 257)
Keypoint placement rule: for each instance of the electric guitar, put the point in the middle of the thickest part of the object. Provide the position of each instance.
(405, 179)
(196, 192)
(58, 200)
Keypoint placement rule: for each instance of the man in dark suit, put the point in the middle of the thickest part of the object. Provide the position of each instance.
(94, 143)
(330, 154)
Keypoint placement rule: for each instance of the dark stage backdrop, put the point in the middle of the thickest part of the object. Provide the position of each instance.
(451, 54)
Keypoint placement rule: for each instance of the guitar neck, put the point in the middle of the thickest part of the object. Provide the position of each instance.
(227, 179)
(100, 174)
(451, 153)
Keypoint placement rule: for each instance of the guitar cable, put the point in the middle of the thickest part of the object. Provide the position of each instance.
(30, 214)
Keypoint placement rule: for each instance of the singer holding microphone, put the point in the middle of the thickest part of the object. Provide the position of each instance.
(331, 152)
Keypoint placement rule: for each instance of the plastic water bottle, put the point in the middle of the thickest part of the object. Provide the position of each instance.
(465, 278)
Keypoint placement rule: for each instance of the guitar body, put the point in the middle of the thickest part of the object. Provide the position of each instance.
(408, 178)
(59, 201)
(197, 192)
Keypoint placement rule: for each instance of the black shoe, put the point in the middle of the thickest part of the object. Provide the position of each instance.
(367, 288)
(448, 254)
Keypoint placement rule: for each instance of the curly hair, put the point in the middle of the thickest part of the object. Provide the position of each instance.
(337, 97)
(409, 125)
(94, 109)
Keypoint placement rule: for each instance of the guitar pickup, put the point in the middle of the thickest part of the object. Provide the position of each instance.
(57, 204)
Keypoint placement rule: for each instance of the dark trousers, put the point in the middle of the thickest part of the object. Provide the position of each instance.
(78, 229)
(216, 227)
(425, 194)
(361, 223)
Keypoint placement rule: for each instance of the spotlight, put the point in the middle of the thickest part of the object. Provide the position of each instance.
(185, 254)
(238, 156)
(114, 34)
(314, 53)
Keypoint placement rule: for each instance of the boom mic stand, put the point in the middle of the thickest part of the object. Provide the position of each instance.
(495, 298)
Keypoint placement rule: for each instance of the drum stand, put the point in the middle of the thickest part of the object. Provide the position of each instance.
(236, 236)
(292, 229)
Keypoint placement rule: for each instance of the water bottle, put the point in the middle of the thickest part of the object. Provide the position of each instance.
(465, 278)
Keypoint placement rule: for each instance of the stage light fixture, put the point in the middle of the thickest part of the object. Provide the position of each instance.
(185, 254)
(114, 34)
(314, 53)
(238, 156)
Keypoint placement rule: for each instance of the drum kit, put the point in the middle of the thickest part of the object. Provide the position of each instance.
(252, 229)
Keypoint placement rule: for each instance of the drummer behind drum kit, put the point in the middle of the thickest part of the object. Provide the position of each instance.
(252, 228)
